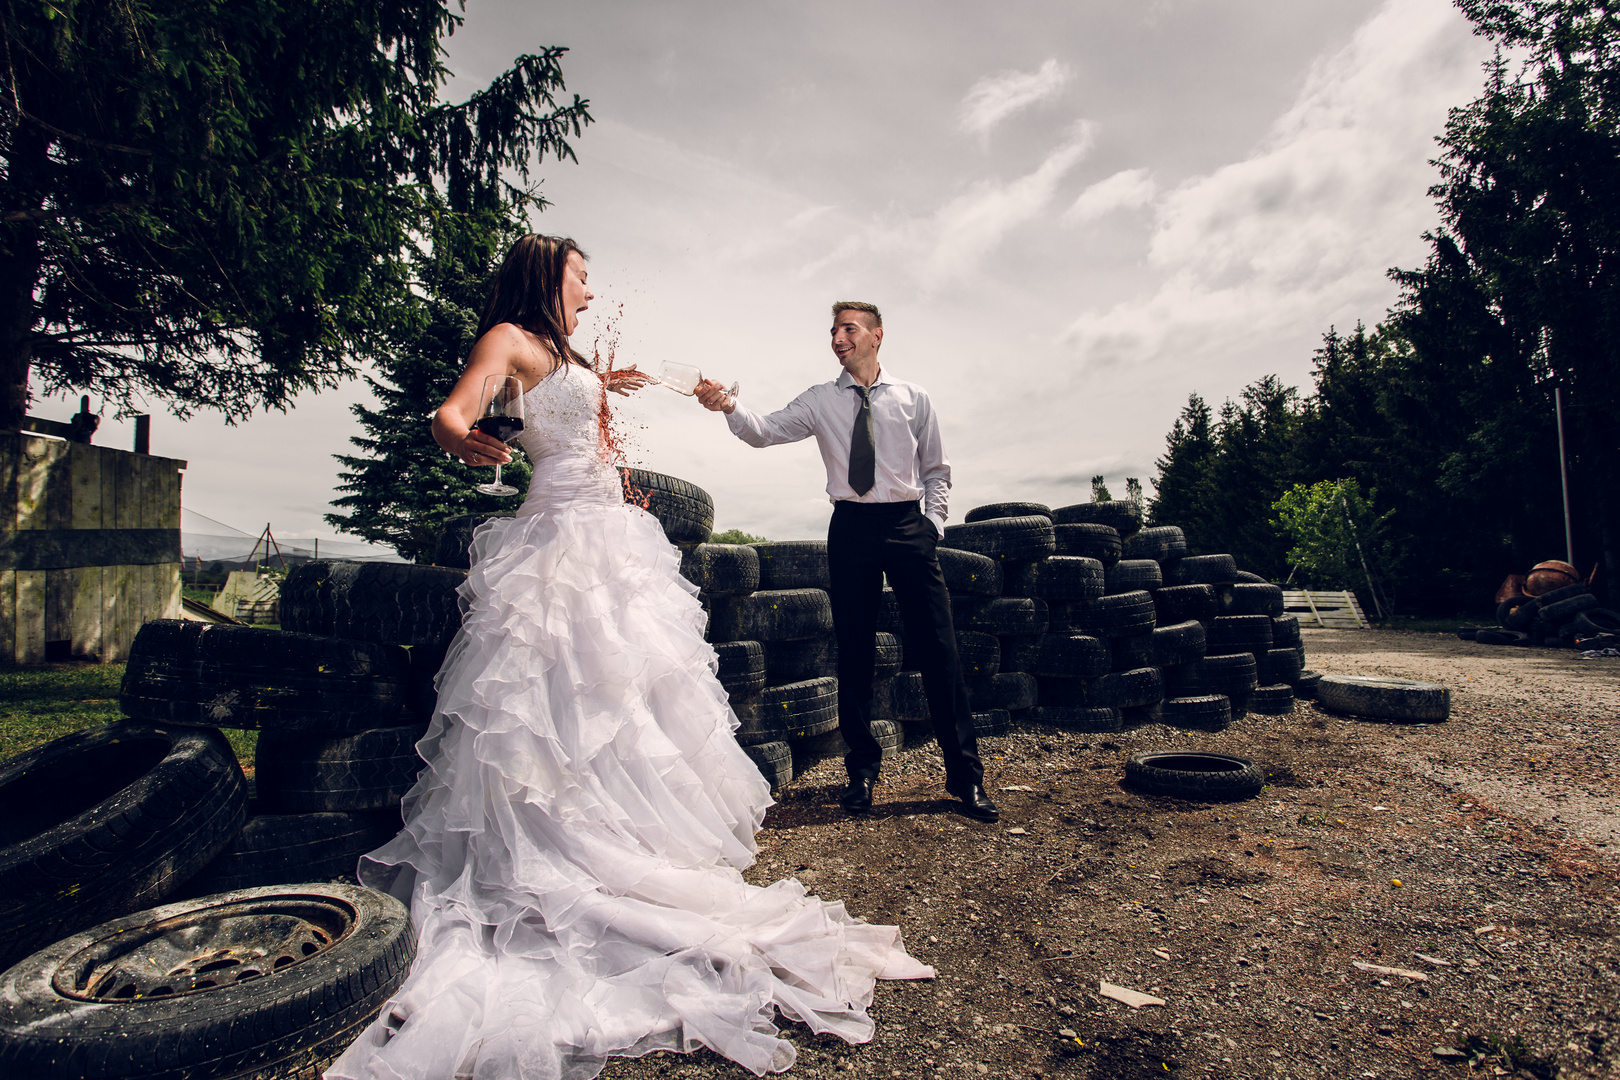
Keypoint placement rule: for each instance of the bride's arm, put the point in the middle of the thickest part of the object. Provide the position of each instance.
(502, 351)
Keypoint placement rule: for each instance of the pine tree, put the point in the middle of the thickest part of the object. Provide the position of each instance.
(216, 203)
(403, 486)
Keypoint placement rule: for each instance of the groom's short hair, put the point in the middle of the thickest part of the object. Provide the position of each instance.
(862, 306)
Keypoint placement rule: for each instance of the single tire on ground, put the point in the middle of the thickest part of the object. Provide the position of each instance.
(685, 510)
(1196, 775)
(109, 820)
(391, 603)
(1383, 698)
(282, 849)
(1017, 538)
(1595, 621)
(306, 774)
(214, 675)
(269, 984)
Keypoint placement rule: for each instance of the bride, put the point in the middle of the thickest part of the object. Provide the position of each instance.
(571, 852)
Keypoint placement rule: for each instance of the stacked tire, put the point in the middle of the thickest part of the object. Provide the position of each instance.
(340, 696)
(1109, 623)
(1566, 617)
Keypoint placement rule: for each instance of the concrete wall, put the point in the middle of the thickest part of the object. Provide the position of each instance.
(89, 548)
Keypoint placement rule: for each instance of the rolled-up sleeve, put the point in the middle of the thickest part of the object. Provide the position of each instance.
(932, 467)
(789, 424)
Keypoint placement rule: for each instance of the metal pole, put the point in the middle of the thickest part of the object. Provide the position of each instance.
(1563, 476)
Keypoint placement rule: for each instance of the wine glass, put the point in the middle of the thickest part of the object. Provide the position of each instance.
(500, 416)
(684, 379)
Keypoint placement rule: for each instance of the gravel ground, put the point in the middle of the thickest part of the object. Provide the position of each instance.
(1478, 857)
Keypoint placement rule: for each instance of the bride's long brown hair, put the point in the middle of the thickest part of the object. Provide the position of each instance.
(528, 291)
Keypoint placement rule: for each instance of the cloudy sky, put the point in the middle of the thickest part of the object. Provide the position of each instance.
(1072, 212)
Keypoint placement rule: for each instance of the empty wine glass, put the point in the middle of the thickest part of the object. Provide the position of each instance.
(684, 379)
(500, 416)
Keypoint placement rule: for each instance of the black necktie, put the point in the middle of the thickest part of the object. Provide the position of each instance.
(862, 450)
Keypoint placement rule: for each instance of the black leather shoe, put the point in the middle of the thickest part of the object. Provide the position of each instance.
(857, 798)
(975, 803)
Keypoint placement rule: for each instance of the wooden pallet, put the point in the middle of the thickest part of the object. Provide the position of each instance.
(1329, 610)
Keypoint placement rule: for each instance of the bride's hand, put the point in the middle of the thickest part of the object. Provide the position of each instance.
(623, 380)
(480, 449)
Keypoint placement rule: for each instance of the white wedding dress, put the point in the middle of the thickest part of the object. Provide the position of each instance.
(572, 849)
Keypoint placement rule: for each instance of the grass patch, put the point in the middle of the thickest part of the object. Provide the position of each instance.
(40, 704)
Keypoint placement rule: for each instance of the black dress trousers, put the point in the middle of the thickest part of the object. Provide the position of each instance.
(864, 542)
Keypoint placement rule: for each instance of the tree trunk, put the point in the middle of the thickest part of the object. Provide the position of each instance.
(19, 275)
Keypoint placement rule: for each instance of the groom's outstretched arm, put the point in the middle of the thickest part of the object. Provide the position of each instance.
(790, 424)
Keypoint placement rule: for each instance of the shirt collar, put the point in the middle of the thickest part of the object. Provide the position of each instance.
(846, 380)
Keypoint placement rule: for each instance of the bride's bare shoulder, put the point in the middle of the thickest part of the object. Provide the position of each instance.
(524, 351)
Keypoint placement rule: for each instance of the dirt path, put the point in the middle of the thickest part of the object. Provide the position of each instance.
(1482, 854)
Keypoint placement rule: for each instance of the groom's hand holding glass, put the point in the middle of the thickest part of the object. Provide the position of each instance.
(714, 397)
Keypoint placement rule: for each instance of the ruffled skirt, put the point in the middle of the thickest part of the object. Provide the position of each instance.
(571, 852)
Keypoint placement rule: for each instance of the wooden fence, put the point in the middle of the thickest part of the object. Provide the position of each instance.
(89, 548)
(1330, 610)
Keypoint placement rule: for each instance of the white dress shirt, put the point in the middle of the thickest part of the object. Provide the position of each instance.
(911, 461)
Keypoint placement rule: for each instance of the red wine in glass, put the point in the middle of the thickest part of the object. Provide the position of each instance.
(504, 428)
(500, 415)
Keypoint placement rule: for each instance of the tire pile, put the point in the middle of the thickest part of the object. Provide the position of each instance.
(1569, 617)
(1080, 618)
(154, 810)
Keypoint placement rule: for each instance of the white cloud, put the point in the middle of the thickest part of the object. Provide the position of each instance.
(1122, 191)
(995, 97)
(1301, 232)
(971, 225)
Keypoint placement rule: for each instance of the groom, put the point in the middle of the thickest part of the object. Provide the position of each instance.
(880, 442)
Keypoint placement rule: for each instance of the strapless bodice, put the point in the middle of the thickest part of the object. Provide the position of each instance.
(562, 436)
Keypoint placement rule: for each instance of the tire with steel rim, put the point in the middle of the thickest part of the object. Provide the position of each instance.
(264, 983)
